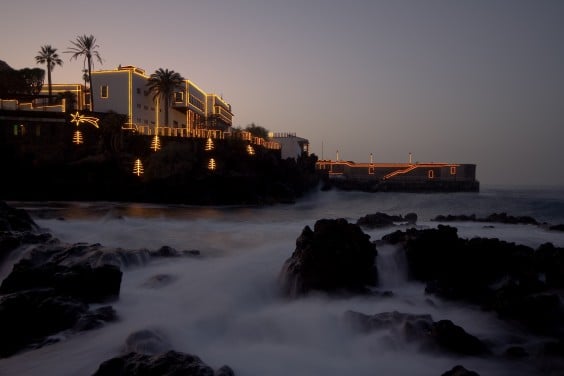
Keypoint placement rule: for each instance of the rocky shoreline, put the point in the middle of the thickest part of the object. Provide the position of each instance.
(56, 290)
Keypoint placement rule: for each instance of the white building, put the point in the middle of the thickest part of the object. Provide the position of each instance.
(291, 145)
(124, 91)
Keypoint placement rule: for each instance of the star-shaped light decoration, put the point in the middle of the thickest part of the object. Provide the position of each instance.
(77, 118)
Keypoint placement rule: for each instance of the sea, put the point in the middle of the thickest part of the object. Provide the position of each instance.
(225, 305)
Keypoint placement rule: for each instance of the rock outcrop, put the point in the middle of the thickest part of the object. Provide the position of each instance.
(379, 220)
(438, 336)
(498, 275)
(170, 363)
(335, 257)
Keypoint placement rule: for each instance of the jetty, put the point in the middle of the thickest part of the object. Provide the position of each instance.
(401, 177)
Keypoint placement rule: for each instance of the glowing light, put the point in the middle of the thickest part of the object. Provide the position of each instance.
(156, 143)
(77, 138)
(211, 164)
(79, 119)
(209, 144)
(250, 150)
(138, 167)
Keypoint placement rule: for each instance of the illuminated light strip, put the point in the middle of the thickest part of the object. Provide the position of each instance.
(130, 94)
(78, 119)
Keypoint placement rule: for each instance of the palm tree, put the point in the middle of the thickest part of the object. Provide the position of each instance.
(85, 45)
(48, 56)
(162, 84)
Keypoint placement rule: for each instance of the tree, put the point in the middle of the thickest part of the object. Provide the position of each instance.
(162, 84)
(49, 56)
(85, 45)
(70, 100)
(31, 80)
(257, 131)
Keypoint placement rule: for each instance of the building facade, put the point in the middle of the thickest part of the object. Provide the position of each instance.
(124, 90)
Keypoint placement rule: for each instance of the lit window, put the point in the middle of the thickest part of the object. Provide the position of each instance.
(453, 170)
(431, 174)
(179, 96)
(104, 91)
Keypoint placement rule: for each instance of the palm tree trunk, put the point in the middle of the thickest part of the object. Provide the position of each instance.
(90, 83)
(50, 100)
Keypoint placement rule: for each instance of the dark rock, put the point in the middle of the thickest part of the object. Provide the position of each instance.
(494, 218)
(432, 336)
(411, 218)
(12, 219)
(454, 339)
(559, 227)
(171, 363)
(335, 257)
(379, 220)
(550, 261)
(95, 319)
(460, 371)
(27, 317)
(541, 312)
(224, 371)
(495, 274)
(516, 352)
(79, 281)
(165, 251)
(148, 342)
(159, 280)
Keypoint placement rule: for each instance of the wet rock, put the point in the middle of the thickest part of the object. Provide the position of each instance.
(166, 364)
(95, 319)
(432, 336)
(497, 275)
(559, 227)
(379, 220)
(335, 257)
(494, 218)
(30, 316)
(159, 280)
(516, 352)
(460, 371)
(165, 251)
(12, 219)
(453, 338)
(550, 261)
(148, 342)
(79, 281)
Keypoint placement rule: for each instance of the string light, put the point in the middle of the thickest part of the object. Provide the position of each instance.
(211, 164)
(209, 144)
(138, 167)
(156, 143)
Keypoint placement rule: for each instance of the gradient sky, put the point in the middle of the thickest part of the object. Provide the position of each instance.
(476, 81)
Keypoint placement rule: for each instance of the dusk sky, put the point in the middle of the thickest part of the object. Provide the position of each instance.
(477, 81)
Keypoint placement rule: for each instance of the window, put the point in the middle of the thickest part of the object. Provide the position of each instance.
(179, 96)
(138, 105)
(453, 170)
(145, 107)
(431, 174)
(138, 91)
(104, 91)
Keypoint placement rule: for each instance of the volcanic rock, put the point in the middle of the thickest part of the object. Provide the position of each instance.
(442, 335)
(379, 220)
(335, 257)
(171, 363)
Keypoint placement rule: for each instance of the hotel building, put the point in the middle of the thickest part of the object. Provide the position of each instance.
(124, 90)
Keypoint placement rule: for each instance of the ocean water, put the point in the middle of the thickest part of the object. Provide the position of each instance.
(225, 306)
